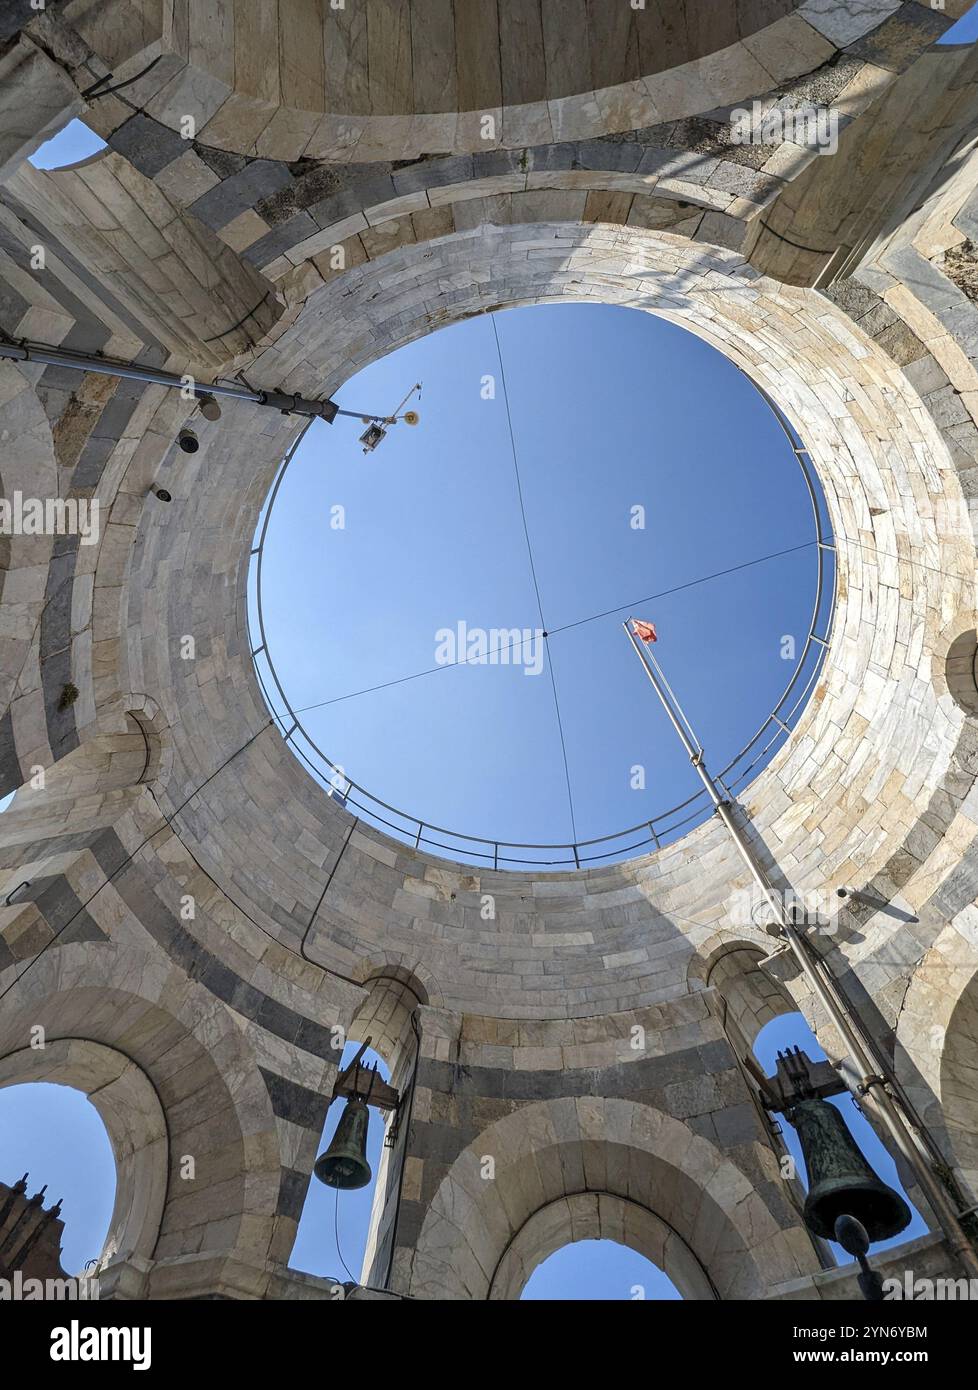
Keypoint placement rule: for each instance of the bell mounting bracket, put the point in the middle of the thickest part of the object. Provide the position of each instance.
(377, 1092)
(797, 1078)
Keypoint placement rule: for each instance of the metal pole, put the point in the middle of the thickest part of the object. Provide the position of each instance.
(824, 987)
(281, 401)
(389, 419)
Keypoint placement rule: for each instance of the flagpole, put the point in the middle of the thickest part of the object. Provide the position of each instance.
(871, 1083)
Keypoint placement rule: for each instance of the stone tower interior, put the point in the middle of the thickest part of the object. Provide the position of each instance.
(288, 192)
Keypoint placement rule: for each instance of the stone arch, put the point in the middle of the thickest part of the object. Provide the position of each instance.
(210, 329)
(588, 196)
(133, 753)
(52, 829)
(393, 995)
(130, 1109)
(93, 996)
(550, 1150)
(58, 835)
(956, 663)
(751, 997)
(377, 85)
(154, 727)
(598, 1216)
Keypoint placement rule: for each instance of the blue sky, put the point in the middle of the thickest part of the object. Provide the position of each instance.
(56, 1134)
(71, 145)
(966, 29)
(612, 410)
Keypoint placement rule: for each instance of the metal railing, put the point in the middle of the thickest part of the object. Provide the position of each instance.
(643, 837)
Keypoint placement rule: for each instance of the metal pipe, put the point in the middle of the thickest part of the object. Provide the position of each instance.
(282, 401)
(825, 989)
(130, 371)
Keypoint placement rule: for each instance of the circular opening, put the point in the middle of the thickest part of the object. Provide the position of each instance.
(438, 614)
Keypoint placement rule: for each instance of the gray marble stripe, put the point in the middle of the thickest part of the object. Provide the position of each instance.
(172, 936)
(79, 311)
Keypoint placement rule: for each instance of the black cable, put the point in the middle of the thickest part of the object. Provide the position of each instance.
(690, 584)
(903, 559)
(796, 245)
(608, 612)
(222, 888)
(91, 93)
(168, 819)
(413, 1084)
(533, 573)
(369, 690)
(336, 1235)
(516, 469)
(241, 322)
(315, 911)
(563, 748)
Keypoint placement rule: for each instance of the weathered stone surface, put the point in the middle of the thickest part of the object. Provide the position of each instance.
(166, 781)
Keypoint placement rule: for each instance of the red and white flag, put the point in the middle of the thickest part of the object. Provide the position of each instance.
(644, 631)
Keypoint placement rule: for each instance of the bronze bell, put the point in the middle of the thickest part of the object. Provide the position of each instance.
(840, 1181)
(344, 1164)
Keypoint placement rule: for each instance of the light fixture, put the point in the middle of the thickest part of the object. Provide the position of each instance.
(378, 425)
(209, 407)
(188, 441)
(371, 437)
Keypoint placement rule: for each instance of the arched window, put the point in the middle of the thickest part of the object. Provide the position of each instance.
(350, 1237)
(598, 1270)
(55, 1134)
(72, 145)
(336, 1225)
(597, 1245)
(791, 1030)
